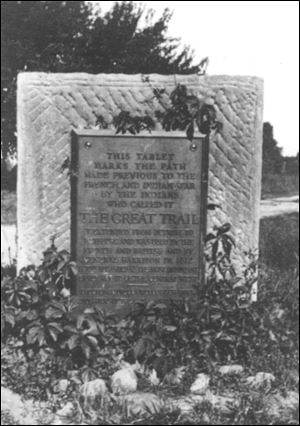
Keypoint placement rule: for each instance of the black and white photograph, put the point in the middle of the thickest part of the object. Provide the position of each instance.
(149, 212)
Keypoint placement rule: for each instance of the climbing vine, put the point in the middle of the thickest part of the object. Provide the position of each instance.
(178, 111)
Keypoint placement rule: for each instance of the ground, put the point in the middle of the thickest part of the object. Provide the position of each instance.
(280, 185)
(278, 206)
(230, 399)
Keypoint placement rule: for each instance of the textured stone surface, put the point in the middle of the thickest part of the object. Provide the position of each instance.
(51, 105)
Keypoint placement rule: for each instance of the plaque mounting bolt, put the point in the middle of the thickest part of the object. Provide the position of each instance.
(88, 145)
(193, 146)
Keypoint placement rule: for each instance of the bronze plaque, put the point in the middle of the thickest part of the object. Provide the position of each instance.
(138, 215)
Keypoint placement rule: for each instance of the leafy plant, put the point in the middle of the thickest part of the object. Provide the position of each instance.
(217, 325)
(16, 292)
(42, 333)
(220, 245)
(187, 113)
(179, 111)
(8, 314)
(32, 304)
(124, 123)
(57, 268)
(81, 343)
(9, 270)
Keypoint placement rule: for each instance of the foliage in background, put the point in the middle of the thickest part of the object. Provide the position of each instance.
(280, 185)
(272, 157)
(280, 174)
(8, 206)
(70, 36)
(8, 181)
(274, 163)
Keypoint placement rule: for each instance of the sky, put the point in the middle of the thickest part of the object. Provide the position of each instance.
(259, 38)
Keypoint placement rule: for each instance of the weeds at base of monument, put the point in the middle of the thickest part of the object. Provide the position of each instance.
(45, 319)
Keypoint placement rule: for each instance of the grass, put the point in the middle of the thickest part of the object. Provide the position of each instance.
(279, 241)
(280, 185)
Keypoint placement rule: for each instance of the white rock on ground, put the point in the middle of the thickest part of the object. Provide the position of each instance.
(124, 381)
(153, 378)
(66, 411)
(62, 386)
(184, 405)
(229, 370)
(21, 411)
(140, 404)
(261, 379)
(92, 395)
(280, 406)
(201, 384)
(223, 403)
(11, 403)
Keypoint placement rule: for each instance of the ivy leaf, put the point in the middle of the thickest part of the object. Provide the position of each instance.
(53, 334)
(72, 341)
(32, 335)
(56, 326)
(212, 206)
(132, 130)
(215, 248)
(86, 350)
(209, 237)
(226, 245)
(93, 341)
(158, 93)
(224, 228)
(55, 310)
(101, 123)
(190, 131)
(140, 348)
(231, 239)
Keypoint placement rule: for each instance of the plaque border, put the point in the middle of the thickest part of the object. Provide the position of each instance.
(205, 141)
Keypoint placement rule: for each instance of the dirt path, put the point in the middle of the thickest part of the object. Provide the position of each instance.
(278, 206)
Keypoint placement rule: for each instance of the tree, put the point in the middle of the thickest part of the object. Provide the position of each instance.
(119, 45)
(67, 36)
(272, 157)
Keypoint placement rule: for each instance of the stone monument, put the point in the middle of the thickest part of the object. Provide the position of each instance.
(51, 107)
